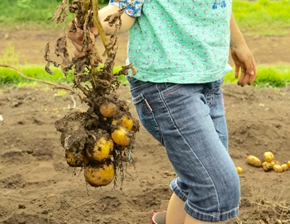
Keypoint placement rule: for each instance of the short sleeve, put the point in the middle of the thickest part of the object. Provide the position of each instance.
(133, 6)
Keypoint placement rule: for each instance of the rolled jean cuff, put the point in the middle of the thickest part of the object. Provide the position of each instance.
(211, 216)
(202, 215)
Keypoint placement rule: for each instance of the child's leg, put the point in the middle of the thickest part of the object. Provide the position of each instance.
(175, 212)
(181, 118)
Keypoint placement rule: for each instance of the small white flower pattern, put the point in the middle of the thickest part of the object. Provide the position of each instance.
(179, 41)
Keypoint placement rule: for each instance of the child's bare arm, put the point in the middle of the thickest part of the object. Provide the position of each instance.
(76, 37)
(127, 21)
(242, 56)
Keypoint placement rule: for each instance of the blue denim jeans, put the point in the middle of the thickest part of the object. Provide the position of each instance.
(189, 120)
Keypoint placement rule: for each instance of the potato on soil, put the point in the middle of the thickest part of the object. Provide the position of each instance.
(275, 162)
(288, 164)
(99, 174)
(122, 136)
(267, 166)
(285, 167)
(268, 157)
(254, 161)
(101, 149)
(278, 168)
(108, 109)
(239, 170)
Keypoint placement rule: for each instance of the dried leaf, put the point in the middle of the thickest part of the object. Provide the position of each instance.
(115, 18)
(61, 51)
(60, 13)
(48, 60)
(134, 70)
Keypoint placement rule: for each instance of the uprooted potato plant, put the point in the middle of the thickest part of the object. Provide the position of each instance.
(101, 138)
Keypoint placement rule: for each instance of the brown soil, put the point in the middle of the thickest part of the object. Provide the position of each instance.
(37, 186)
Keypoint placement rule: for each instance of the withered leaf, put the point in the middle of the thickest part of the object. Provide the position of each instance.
(115, 18)
(48, 60)
(61, 51)
(60, 13)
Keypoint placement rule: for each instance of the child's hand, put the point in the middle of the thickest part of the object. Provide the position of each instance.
(245, 62)
(77, 40)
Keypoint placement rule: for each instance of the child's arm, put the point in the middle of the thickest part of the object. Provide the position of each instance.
(127, 23)
(241, 56)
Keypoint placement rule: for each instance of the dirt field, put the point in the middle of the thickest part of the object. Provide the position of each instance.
(37, 186)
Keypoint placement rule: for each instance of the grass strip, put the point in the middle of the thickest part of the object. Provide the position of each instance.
(267, 77)
(263, 17)
(29, 14)
(275, 76)
(260, 17)
(10, 77)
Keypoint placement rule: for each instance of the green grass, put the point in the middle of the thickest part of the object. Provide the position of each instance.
(267, 77)
(260, 17)
(8, 76)
(29, 14)
(263, 17)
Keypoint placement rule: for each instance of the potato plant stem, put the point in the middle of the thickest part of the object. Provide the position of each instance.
(98, 24)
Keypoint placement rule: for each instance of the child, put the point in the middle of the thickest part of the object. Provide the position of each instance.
(181, 49)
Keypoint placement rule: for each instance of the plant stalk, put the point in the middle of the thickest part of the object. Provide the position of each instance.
(98, 24)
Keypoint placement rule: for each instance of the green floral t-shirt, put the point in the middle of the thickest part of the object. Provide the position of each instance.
(179, 41)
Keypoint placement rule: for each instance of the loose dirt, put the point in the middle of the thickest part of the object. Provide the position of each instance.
(37, 186)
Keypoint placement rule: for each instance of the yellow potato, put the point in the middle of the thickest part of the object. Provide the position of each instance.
(101, 150)
(267, 166)
(284, 167)
(124, 121)
(288, 164)
(239, 170)
(278, 168)
(268, 157)
(98, 175)
(275, 162)
(75, 159)
(108, 109)
(254, 161)
(121, 136)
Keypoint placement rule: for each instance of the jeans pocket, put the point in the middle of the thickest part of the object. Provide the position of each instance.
(146, 117)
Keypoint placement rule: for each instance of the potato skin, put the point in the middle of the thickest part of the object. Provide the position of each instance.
(254, 161)
(108, 109)
(239, 170)
(98, 175)
(268, 157)
(101, 150)
(278, 168)
(275, 162)
(74, 159)
(267, 166)
(285, 167)
(288, 164)
(121, 136)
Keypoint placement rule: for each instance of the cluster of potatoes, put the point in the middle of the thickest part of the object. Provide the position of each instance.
(269, 163)
(99, 154)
